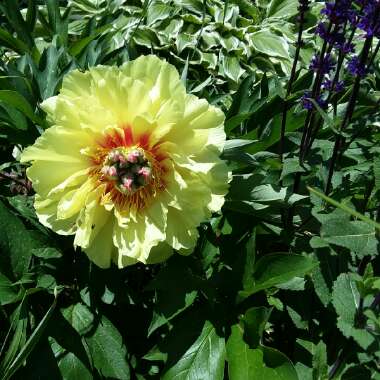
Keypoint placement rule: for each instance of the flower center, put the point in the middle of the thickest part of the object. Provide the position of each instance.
(128, 168)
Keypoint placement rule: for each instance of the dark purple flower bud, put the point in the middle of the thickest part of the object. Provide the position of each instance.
(355, 67)
(324, 65)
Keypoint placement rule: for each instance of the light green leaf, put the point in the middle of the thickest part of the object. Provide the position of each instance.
(231, 68)
(282, 8)
(271, 44)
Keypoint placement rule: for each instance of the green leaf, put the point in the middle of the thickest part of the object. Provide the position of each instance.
(376, 172)
(12, 11)
(78, 46)
(271, 44)
(13, 43)
(262, 363)
(277, 268)
(357, 236)
(108, 351)
(73, 369)
(49, 77)
(232, 68)
(19, 324)
(16, 244)
(80, 317)
(320, 368)
(47, 253)
(16, 100)
(16, 118)
(345, 298)
(8, 292)
(176, 289)
(30, 343)
(282, 8)
(203, 360)
(254, 322)
(345, 208)
(57, 22)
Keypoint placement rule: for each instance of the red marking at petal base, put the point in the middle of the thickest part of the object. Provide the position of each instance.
(144, 141)
(128, 135)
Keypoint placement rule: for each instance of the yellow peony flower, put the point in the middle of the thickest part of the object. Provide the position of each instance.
(131, 164)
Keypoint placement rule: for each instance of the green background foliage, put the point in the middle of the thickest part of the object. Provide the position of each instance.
(283, 284)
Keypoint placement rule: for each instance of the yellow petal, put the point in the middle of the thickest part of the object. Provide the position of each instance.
(74, 200)
(102, 251)
(91, 220)
(46, 210)
(137, 239)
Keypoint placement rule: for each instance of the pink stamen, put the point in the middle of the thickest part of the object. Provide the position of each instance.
(112, 172)
(127, 183)
(133, 156)
(145, 172)
(121, 159)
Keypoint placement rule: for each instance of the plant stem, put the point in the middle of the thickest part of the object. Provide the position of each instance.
(348, 115)
(291, 80)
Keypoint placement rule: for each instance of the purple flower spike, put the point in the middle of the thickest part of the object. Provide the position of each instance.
(305, 101)
(308, 104)
(327, 84)
(355, 67)
(325, 65)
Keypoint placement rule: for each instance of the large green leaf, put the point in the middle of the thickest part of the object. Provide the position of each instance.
(176, 290)
(17, 101)
(79, 316)
(277, 268)
(357, 236)
(30, 343)
(271, 44)
(345, 298)
(261, 363)
(282, 8)
(108, 351)
(203, 360)
(8, 291)
(16, 244)
(73, 369)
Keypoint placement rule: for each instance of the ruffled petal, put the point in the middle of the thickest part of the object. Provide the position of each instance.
(102, 251)
(46, 210)
(138, 238)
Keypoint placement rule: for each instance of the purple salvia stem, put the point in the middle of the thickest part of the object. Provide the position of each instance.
(303, 7)
(350, 107)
